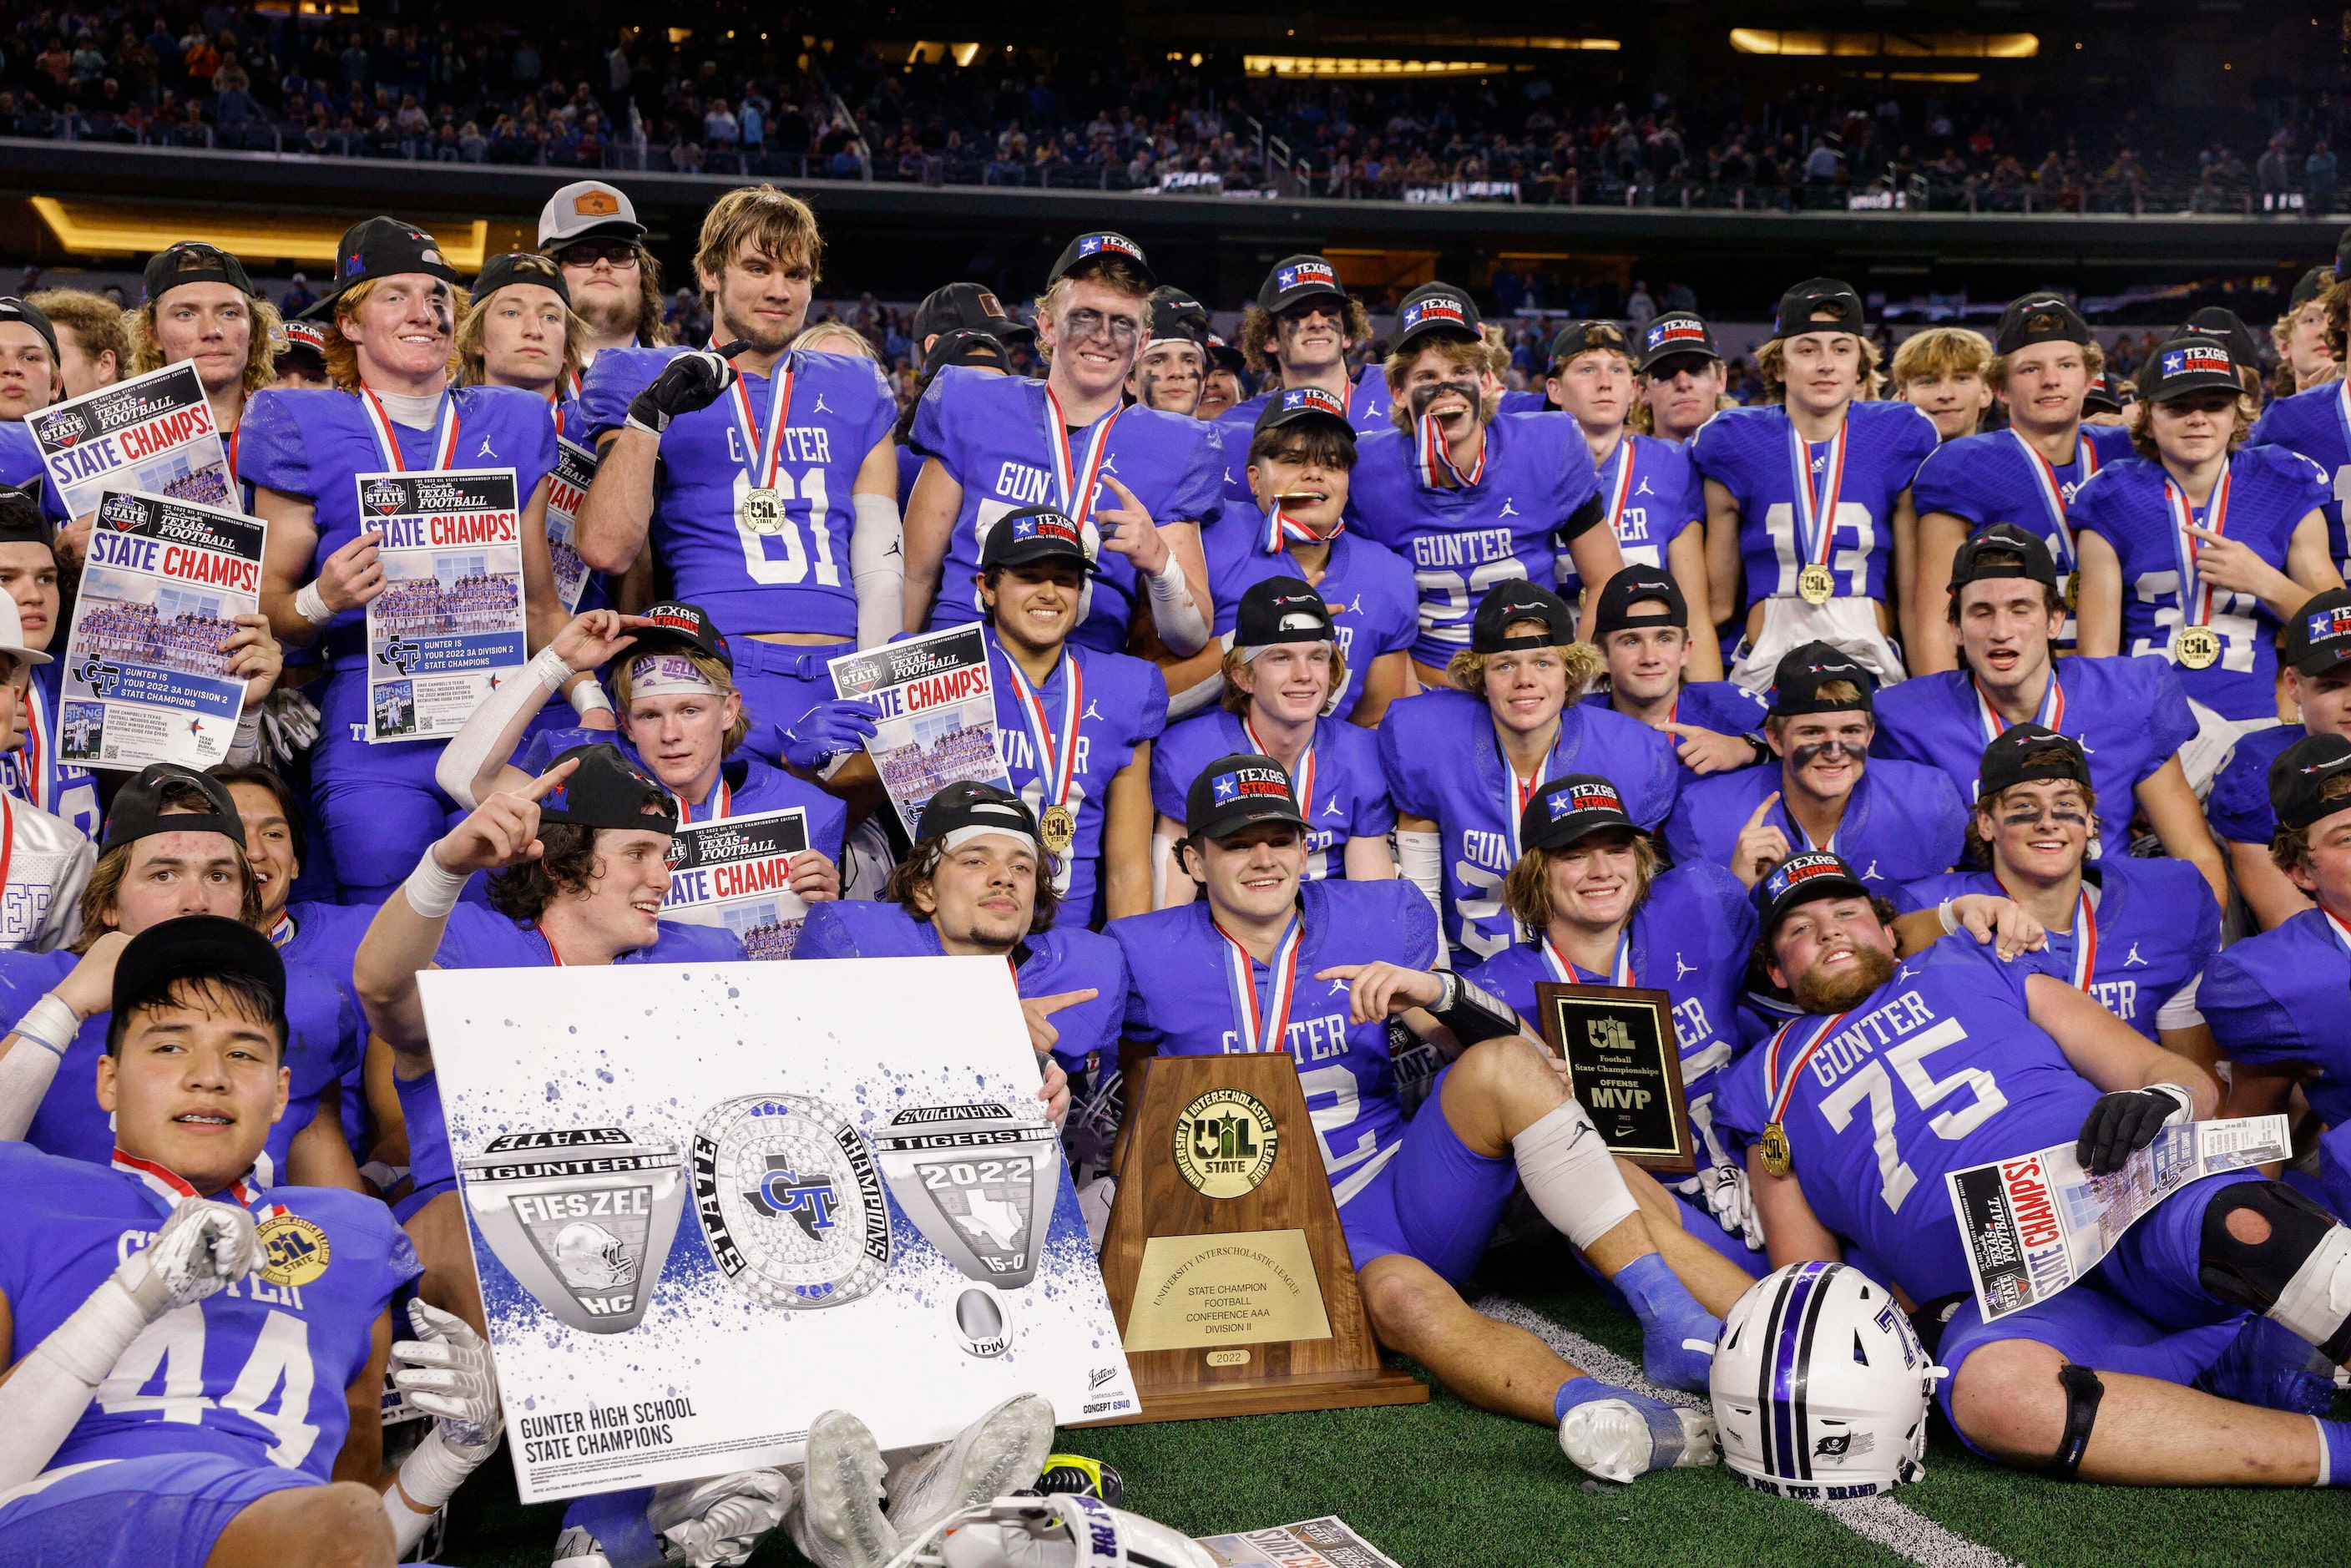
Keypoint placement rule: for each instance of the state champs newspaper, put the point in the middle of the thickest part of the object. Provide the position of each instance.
(145, 679)
(448, 625)
(153, 434)
(934, 700)
(737, 872)
(2034, 1224)
(567, 489)
(1327, 1543)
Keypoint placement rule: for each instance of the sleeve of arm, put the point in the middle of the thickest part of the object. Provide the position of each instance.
(616, 376)
(1417, 922)
(1166, 793)
(2247, 1023)
(928, 435)
(269, 447)
(2181, 1008)
(1942, 486)
(62, 924)
(824, 935)
(1947, 821)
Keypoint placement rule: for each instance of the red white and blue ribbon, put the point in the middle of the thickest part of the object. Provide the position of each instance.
(30, 774)
(1620, 488)
(1779, 1089)
(1796, 831)
(1266, 1030)
(2051, 715)
(2085, 939)
(766, 456)
(2342, 932)
(1431, 457)
(1057, 751)
(283, 932)
(171, 1187)
(1619, 971)
(722, 804)
(1816, 512)
(2052, 494)
(2195, 595)
(1282, 528)
(444, 442)
(1076, 485)
(1301, 778)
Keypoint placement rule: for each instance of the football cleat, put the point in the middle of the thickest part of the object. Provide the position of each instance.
(577, 1547)
(1626, 1436)
(1000, 1453)
(1082, 1476)
(839, 1522)
(716, 1523)
(1064, 1530)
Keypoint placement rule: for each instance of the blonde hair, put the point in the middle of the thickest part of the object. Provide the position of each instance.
(814, 338)
(342, 355)
(1112, 270)
(2093, 365)
(1941, 352)
(618, 684)
(1484, 356)
(779, 224)
(1235, 700)
(1584, 663)
(95, 320)
(1526, 890)
(1772, 357)
(474, 325)
(260, 349)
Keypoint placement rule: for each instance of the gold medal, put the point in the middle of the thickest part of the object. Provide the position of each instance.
(1059, 826)
(762, 511)
(1775, 1150)
(2196, 647)
(294, 1251)
(1815, 584)
(2073, 591)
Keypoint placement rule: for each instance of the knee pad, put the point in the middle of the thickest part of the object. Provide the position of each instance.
(2300, 1277)
(2083, 1392)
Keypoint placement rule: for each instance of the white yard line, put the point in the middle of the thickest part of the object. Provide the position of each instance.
(1894, 1525)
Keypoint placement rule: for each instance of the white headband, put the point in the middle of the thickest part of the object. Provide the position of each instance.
(661, 674)
(958, 837)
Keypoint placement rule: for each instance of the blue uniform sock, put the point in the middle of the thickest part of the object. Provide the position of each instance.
(2337, 1456)
(617, 1519)
(1578, 1390)
(1670, 1318)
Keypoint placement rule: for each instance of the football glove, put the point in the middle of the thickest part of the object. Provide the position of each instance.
(688, 382)
(2122, 1123)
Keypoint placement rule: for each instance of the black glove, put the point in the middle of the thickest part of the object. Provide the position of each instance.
(690, 381)
(2122, 1123)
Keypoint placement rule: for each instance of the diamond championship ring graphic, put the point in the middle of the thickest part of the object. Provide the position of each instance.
(979, 1183)
(582, 1218)
(789, 1200)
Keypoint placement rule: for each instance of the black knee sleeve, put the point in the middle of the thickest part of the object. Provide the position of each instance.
(2083, 1392)
(2252, 1275)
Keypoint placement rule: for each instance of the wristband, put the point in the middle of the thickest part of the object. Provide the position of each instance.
(1471, 1013)
(634, 423)
(1762, 750)
(551, 669)
(431, 891)
(2182, 1093)
(49, 1022)
(434, 1469)
(248, 732)
(1167, 584)
(588, 697)
(311, 605)
(1950, 921)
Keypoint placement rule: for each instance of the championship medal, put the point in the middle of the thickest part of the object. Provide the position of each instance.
(1816, 512)
(1816, 584)
(760, 508)
(2194, 644)
(581, 1218)
(762, 511)
(2195, 647)
(1060, 827)
(2073, 591)
(1775, 1150)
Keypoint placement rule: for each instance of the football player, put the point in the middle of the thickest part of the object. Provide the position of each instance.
(1461, 763)
(2317, 654)
(1899, 821)
(28, 575)
(1808, 526)
(1173, 364)
(1955, 1059)
(1443, 487)
(2299, 336)
(2130, 716)
(2312, 419)
(518, 330)
(590, 230)
(1316, 969)
(1642, 627)
(261, 1317)
(200, 306)
(1942, 372)
(1682, 378)
(1303, 326)
(45, 863)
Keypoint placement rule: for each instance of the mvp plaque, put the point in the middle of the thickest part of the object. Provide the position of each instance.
(1227, 1270)
(1624, 1065)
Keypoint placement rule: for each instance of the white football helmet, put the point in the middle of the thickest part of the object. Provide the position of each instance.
(1820, 1387)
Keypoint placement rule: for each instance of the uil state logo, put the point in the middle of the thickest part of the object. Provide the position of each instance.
(294, 1251)
(583, 1218)
(1226, 1143)
(791, 1201)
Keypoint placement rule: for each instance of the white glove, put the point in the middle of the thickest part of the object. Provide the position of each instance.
(289, 723)
(447, 1373)
(719, 1521)
(1733, 1206)
(203, 1247)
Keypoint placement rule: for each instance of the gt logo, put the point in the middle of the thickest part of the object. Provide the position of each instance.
(400, 654)
(100, 676)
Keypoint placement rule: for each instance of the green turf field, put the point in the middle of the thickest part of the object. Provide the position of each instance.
(1443, 1486)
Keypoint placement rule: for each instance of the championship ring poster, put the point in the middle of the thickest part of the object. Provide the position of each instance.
(709, 1202)
(145, 678)
(448, 626)
(935, 714)
(154, 432)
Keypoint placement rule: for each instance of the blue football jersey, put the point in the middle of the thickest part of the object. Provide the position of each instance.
(1901, 822)
(1044, 964)
(1000, 439)
(1940, 1069)
(2317, 425)
(323, 1041)
(1653, 492)
(258, 1371)
(1122, 705)
(2271, 490)
(2153, 925)
(1724, 708)
(1368, 410)
(1443, 762)
(2130, 716)
(327, 937)
(1748, 452)
(1689, 938)
(2278, 999)
(795, 577)
(1347, 795)
(20, 460)
(2238, 806)
(1460, 542)
(32, 772)
(1184, 996)
(747, 784)
(1997, 477)
(1373, 603)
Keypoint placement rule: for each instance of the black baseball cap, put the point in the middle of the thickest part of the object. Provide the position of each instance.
(2309, 287)
(2024, 752)
(1281, 609)
(1673, 335)
(1581, 337)
(1815, 297)
(1801, 878)
(971, 804)
(1297, 279)
(2300, 779)
(192, 261)
(1290, 405)
(1632, 586)
(196, 946)
(2038, 319)
(607, 791)
(2220, 322)
(965, 308)
(674, 624)
(1176, 316)
(22, 521)
(1035, 533)
(2101, 397)
(304, 338)
(2191, 362)
(2318, 635)
(964, 346)
(1572, 807)
(15, 309)
(1226, 356)
(1968, 565)
(1519, 599)
(521, 267)
(139, 811)
(1090, 250)
(382, 247)
(1433, 309)
(1796, 683)
(1239, 791)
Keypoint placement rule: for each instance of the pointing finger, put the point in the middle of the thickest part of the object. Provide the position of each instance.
(1769, 802)
(537, 788)
(1047, 1006)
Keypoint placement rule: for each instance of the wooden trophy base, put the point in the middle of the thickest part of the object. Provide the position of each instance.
(1274, 1397)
